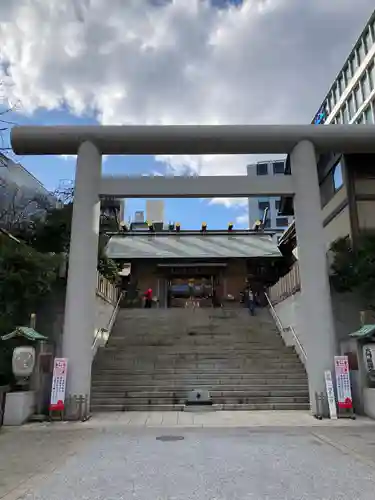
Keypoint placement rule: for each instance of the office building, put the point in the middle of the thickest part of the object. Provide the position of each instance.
(350, 100)
(257, 206)
(154, 211)
(352, 95)
(347, 196)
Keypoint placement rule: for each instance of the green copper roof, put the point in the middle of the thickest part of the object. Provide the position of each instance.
(24, 331)
(191, 246)
(364, 332)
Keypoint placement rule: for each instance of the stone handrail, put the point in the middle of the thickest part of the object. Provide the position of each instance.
(283, 331)
(102, 334)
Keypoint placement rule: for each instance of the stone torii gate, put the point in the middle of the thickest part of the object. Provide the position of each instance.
(303, 143)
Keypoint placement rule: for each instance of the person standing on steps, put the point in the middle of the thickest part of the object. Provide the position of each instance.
(148, 299)
(251, 301)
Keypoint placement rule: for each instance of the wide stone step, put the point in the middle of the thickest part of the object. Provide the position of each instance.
(214, 370)
(201, 360)
(219, 401)
(194, 371)
(193, 352)
(153, 359)
(183, 393)
(231, 331)
(184, 382)
(103, 408)
(191, 367)
(179, 407)
(229, 343)
(171, 385)
(181, 362)
(128, 386)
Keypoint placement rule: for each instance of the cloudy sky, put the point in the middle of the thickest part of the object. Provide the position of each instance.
(172, 62)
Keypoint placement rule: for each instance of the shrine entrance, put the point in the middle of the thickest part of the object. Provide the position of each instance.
(302, 142)
(198, 281)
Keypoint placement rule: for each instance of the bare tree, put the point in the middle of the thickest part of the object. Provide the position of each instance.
(20, 206)
(7, 108)
(64, 192)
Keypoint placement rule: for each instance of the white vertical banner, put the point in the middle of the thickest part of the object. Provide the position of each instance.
(60, 367)
(330, 395)
(344, 392)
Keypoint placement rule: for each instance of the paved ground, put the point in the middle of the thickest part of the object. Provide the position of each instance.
(207, 419)
(113, 459)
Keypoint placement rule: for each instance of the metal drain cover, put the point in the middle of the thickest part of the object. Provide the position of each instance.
(170, 438)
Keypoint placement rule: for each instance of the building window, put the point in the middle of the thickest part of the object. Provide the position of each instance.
(371, 71)
(358, 96)
(337, 176)
(281, 221)
(267, 223)
(369, 115)
(278, 167)
(262, 205)
(331, 101)
(348, 74)
(365, 85)
(368, 39)
(345, 114)
(351, 107)
(337, 92)
(341, 84)
(262, 169)
(331, 184)
(277, 205)
(353, 63)
(361, 53)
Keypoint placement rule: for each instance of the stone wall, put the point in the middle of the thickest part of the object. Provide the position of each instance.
(346, 309)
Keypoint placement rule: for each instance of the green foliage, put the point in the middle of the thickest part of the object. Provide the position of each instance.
(53, 235)
(354, 270)
(26, 276)
(106, 266)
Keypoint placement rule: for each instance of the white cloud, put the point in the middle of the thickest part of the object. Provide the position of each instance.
(74, 157)
(68, 157)
(243, 220)
(229, 202)
(178, 61)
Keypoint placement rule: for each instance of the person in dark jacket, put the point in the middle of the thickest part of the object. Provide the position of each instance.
(251, 301)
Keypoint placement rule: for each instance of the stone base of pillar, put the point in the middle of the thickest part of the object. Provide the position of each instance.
(77, 407)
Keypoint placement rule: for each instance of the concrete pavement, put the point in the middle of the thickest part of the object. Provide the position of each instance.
(199, 419)
(211, 456)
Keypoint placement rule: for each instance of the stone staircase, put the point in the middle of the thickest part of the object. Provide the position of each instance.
(154, 358)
